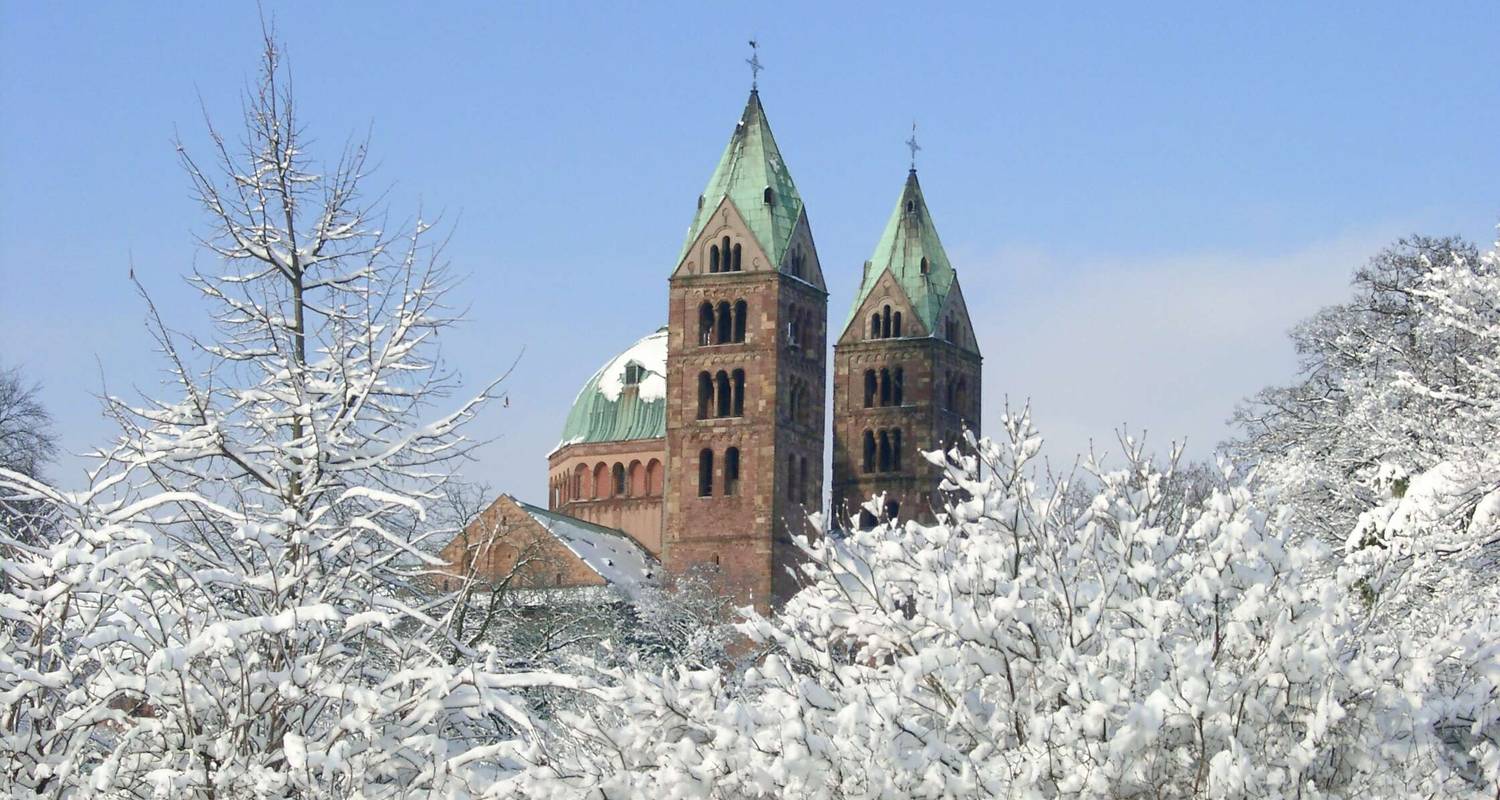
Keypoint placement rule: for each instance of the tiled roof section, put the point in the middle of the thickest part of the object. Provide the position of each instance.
(751, 164)
(910, 237)
(609, 409)
(612, 554)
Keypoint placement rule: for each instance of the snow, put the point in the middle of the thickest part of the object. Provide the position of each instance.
(613, 555)
(650, 353)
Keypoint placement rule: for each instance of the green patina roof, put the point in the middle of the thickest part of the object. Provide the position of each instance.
(751, 163)
(608, 409)
(909, 237)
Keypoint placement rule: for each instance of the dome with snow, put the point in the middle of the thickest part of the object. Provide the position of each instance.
(625, 399)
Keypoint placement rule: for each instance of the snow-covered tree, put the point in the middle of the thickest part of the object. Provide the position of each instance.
(26, 445)
(1026, 646)
(1386, 389)
(230, 607)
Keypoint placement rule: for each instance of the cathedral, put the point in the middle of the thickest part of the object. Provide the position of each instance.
(702, 444)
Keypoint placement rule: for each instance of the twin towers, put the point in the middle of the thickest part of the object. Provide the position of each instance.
(906, 371)
(743, 408)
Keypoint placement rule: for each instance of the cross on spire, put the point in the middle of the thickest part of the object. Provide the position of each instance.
(911, 144)
(754, 62)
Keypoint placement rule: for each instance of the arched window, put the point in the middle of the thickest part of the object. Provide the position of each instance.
(768, 196)
(713, 258)
(885, 323)
(952, 331)
(924, 266)
(705, 394)
(910, 206)
(885, 386)
(582, 486)
(638, 487)
(741, 310)
(869, 388)
(869, 463)
(884, 463)
(725, 265)
(739, 392)
(724, 328)
(653, 478)
(793, 333)
(731, 471)
(735, 265)
(601, 481)
(706, 324)
(875, 325)
(706, 473)
(896, 325)
(620, 488)
(721, 391)
(897, 384)
(896, 449)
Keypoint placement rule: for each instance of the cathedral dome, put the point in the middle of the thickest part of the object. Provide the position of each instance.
(625, 400)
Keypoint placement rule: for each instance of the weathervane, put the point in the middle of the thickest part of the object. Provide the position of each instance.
(754, 62)
(911, 144)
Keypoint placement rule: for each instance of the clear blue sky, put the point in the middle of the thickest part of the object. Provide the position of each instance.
(1139, 200)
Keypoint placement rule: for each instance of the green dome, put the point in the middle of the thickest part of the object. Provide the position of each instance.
(625, 400)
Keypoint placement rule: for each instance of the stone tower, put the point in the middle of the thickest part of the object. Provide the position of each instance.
(747, 333)
(906, 372)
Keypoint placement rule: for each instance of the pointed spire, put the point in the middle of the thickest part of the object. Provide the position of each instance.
(752, 175)
(910, 249)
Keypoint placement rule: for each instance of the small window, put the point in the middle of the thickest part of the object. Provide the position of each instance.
(869, 463)
(870, 385)
(700, 202)
(731, 471)
(713, 258)
(924, 266)
(738, 378)
(735, 266)
(896, 325)
(634, 373)
(741, 311)
(706, 473)
(910, 206)
(618, 475)
(768, 196)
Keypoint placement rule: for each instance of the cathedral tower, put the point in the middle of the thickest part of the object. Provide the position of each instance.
(746, 337)
(906, 371)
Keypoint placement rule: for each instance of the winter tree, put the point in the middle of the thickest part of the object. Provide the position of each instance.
(1025, 646)
(232, 605)
(26, 445)
(1385, 385)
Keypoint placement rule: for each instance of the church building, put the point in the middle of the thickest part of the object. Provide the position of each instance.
(702, 444)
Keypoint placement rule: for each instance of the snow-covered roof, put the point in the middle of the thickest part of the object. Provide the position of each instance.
(610, 553)
(604, 411)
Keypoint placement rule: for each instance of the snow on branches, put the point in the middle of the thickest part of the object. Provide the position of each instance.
(1030, 646)
(232, 607)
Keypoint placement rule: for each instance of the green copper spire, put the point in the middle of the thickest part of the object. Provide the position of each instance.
(911, 250)
(753, 176)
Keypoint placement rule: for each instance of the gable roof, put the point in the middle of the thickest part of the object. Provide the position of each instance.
(610, 553)
(751, 164)
(910, 237)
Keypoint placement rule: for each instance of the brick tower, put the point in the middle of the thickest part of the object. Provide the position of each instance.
(747, 333)
(906, 372)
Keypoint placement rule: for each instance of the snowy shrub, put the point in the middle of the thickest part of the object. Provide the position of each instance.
(1026, 646)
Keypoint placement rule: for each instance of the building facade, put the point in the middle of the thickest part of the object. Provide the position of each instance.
(704, 441)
